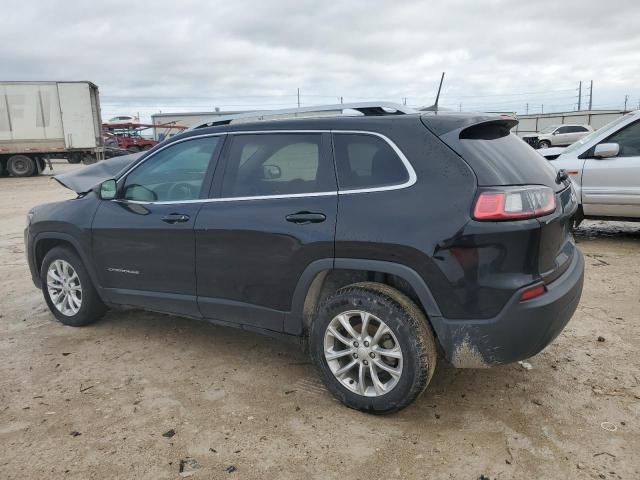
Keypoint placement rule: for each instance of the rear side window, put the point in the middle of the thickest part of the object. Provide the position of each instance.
(277, 164)
(366, 161)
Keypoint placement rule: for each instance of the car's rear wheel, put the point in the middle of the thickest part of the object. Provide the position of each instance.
(68, 289)
(544, 144)
(373, 347)
(133, 149)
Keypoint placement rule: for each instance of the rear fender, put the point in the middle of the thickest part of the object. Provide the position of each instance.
(294, 322)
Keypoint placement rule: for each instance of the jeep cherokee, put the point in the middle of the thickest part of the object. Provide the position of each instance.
(383, 241)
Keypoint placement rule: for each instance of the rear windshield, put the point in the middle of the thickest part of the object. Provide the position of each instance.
(499, 157)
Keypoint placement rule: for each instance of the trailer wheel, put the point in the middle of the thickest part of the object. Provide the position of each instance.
(74, 159)
(21, 166)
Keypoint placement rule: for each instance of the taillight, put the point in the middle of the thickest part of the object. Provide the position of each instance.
(514, 203)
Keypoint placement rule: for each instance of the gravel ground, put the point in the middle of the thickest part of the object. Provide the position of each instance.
(94, 402)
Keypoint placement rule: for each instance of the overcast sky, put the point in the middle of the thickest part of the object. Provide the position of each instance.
(183, 55)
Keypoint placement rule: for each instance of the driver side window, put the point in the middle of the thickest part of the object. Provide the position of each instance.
(173, 174)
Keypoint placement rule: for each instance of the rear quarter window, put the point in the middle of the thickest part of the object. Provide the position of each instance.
(366, 161)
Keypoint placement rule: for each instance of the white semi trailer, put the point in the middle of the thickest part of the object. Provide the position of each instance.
(44, 120)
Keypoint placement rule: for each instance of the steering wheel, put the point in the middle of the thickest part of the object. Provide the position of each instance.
(182, 191)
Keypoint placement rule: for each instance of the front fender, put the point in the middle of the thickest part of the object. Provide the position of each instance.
(82, 252)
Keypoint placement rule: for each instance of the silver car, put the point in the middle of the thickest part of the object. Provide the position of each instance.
(557, 135)
(605, 169)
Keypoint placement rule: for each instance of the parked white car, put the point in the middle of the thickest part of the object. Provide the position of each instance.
(605, 169)
(557, 135)
(123, 119)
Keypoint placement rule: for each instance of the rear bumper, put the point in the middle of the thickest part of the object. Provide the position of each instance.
(521, 330)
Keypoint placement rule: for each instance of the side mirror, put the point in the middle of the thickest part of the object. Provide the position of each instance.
(606, 150)
(555, 133)
(108, 189)
(271, 172)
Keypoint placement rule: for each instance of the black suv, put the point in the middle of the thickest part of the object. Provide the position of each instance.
(383, 242)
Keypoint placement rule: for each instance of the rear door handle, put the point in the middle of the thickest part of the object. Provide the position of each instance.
(302, 218)
(176, 218)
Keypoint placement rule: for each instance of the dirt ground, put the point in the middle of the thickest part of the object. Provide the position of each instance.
(94, 402)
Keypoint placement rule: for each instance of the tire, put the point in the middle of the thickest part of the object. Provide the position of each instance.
(544, 144)
(74, 159)
(409, 330)
(133, 149)
(21, 166)
(91, 308)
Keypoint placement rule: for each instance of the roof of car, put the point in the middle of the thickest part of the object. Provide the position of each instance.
(438, 123)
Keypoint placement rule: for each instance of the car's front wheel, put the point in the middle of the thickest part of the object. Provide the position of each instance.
(373, 347)
(68, 289)
(544, 144)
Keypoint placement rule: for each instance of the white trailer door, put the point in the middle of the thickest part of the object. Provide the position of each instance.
(77, 115)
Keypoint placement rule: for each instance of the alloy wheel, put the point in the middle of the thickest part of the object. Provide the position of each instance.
(63, 285)
(363, 353)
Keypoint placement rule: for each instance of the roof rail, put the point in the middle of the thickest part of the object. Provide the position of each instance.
(367, 109)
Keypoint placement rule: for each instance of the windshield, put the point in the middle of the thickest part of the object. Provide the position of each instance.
(550, 129)
(586, 139)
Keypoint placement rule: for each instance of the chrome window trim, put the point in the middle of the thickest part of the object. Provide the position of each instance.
(413, 178)
(405, 161)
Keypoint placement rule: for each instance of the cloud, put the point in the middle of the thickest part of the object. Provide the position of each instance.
(198, 54)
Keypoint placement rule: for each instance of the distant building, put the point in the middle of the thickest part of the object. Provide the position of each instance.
(534, 122)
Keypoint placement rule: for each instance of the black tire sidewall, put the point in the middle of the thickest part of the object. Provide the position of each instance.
(91, 308)
(29, 172)
(414, 367)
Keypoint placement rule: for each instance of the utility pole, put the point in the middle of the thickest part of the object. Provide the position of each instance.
(542, 108)
(526, 110)
(626, 99)
(341, 100)
(460, 107)
(404, 100)
(298, 98)
(591, 95)
(579, 95)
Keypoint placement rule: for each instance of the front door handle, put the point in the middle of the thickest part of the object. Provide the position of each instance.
(176, 218)
(303, 218)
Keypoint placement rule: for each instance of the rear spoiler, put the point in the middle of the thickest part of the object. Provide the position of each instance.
(441, 124)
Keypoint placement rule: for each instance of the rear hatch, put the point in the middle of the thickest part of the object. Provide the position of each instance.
(501, 159)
